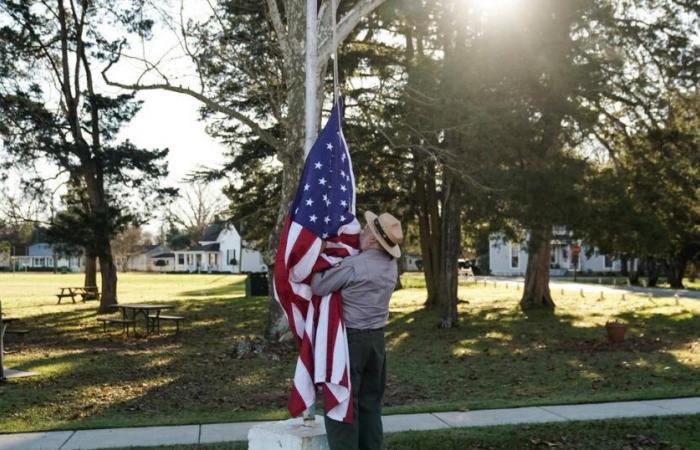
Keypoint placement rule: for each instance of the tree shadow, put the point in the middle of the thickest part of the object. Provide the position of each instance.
(501, 357)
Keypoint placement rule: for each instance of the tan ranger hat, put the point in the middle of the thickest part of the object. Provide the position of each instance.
(387, 229)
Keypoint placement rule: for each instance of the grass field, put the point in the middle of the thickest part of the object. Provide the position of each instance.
(498, 357)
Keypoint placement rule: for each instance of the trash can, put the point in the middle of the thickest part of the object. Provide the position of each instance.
(256, 285)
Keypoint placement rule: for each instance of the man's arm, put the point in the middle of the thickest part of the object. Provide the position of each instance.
(323, 283)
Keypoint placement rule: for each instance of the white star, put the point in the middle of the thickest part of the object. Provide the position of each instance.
(328, 203)
(296, 210)
(318, 165)
(342, 218)
(325, 197)
(322, 181)
(306, 187)
(327, 219)
(343, 203)
(329, 146)
(342, 157)
(309, 202)
(343, 188)
(342, 173)
(313, 218)
(324, 236)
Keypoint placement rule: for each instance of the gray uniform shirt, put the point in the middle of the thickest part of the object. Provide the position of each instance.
(366, 281)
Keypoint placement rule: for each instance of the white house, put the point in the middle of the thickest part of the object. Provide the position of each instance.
(141, 260)
(412, 263)
(510, 258)
(41, 256)
(4, 259)
(221, 249)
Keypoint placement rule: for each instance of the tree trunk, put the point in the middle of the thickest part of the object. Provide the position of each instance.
(450, 247)
(676, 270)
(536, 292)
(623, 265)
(633, 276)
(90, 270)
(652, 268)
(401, 263)
(108, 272)
(429, 224)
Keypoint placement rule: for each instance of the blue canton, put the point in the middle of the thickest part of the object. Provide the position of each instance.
(325, 198)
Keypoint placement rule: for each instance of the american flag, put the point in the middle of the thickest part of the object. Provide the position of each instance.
(323, 210)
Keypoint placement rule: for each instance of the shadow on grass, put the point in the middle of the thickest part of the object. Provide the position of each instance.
(499, 357)
(232, 289)
(91, 379)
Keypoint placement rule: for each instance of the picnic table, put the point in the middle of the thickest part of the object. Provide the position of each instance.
(149, 311)
(4, 321)
(85, 292)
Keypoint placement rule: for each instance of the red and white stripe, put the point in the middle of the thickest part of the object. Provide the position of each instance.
(316, 322)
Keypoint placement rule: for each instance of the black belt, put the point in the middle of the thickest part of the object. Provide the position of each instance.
(363, 330)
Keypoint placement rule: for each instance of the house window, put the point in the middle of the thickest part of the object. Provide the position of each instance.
(564, 253)
(181, 259)
(608, 262)
(230, 255)
(514, 256)
(212, 259)
(189, 260)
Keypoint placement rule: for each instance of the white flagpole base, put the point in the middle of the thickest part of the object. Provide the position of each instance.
(290, 434)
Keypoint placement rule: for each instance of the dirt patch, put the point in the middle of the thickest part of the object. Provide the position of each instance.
(400, 394)
(634, 344)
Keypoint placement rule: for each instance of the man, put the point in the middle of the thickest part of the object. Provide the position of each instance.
(366, 282)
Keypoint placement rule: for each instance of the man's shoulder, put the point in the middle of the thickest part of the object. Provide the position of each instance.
(352, 260)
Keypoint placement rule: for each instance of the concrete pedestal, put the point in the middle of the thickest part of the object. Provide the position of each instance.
(288, 435)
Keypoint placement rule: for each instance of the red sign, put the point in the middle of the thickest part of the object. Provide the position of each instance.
(575, 249)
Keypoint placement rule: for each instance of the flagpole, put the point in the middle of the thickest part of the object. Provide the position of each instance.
(311, 69)
(310, 110)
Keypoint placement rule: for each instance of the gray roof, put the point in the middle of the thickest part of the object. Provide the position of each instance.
(211, 233)
(164, 255)
(206, 248)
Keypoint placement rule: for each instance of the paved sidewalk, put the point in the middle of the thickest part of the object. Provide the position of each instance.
(230, 432)
(572, 286)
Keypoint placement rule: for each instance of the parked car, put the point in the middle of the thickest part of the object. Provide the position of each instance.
(468, 267)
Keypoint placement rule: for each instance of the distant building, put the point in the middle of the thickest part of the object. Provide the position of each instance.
(510, 258)
(220, 249)
(45, 256)
(412, 263)
(141, 260)
(4, 259)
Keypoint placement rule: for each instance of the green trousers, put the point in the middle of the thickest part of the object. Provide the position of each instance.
(368, 378)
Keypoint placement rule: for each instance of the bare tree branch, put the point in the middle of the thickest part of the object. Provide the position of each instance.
(276, 18)
(346, 25)
(211, 104)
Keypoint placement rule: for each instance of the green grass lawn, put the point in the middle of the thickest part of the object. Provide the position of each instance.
(498, 357)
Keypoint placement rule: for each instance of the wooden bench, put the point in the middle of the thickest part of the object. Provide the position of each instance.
(155, 321)
(63, 295)
(90, 293)
(124, 322)
(18, 332)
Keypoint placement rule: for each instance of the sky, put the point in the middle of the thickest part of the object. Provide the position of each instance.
(166, 119)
